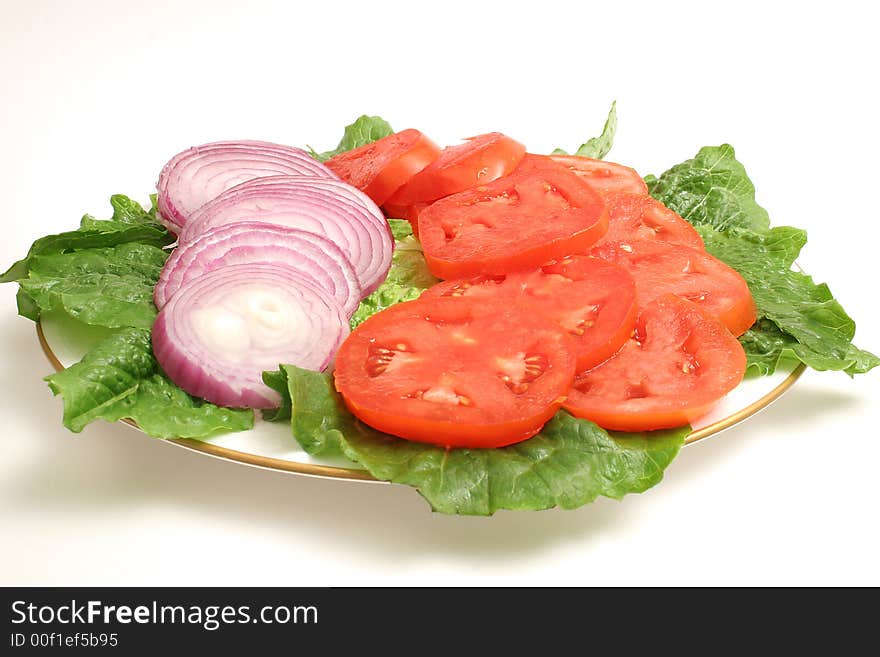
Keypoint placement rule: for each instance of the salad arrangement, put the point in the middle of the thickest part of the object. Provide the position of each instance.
(584, 317)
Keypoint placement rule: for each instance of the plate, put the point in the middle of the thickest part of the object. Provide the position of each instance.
(270, 445)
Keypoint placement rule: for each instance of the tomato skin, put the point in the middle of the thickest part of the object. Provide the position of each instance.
(538, 213)
(640, 217)
(604, 177)
(678, 365)
(382, 167)
(456, 372)
(592, 300)
(660, 268)
(478, 161)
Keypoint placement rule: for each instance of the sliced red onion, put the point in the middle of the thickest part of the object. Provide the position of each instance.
(248, 242)
(216, 335)
(350, 192)
(331, 208)
(195, 176)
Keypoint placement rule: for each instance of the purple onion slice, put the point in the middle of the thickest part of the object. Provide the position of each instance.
(330, 208)
(313, 256)
(218, 334)
(195, 176)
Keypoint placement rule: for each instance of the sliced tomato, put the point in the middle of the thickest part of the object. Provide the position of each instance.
(539, 212)
(639, 217)
(478, 161)
(680, 362)
(456, 372)
(380, 168)
(660, 268)
(604, 177)
(592, 300)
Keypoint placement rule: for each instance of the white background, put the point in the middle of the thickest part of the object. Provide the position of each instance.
(96, 96)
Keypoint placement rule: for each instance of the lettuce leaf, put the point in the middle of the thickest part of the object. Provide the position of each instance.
(130, 224)
(107, 374)
(568, 464)
(162, 410)
(111, 287)
(408, 266)
(712, 189)
(407, 278)
(819, 329)
(126, 212)
(797, 317)
(598, 147)
(365, 130)
(277, 380)
(103, 275)
(387, 295)
(766, 346)
(119, 378)
(400, 228)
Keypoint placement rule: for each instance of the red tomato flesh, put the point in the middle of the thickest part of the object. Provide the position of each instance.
(604, 177)
(478, 161)
(592, 300)
(638, 217)
(456, 372)
(538, 213)
(678, 365)
(382, 167)
(660, 268)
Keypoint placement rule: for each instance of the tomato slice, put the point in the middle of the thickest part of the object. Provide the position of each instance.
(380, 168)
(456, 372)
(539, 212)
(592, 300)
(639, 217)
(680, 362)
(660, 268)
(604, 177)
(478, 161)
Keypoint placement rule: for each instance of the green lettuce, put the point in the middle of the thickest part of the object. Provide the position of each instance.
(130, 224)
(111, 287)
(126, 213)
(598, 147)
(766, 346)
(568, 464)
(804, 319)
(277, 380)
(119, 378)
(103, 275)
(712, 189)
(365, 130)
(797, 318)
(408, 266)
(400, 229)
(407, 278)
(106, 375)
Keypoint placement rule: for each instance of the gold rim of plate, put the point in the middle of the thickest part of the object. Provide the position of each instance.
(333, 472)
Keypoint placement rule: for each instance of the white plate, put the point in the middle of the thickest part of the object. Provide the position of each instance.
(270, 445)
